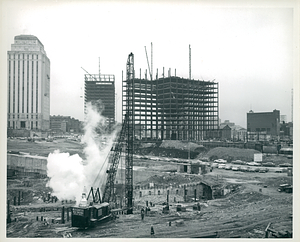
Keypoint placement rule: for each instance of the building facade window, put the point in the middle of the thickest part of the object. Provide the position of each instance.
(32, 65)
(14, 85)
(23, 96)
(18, 104)
(37, 84)
(9, 80)
(27, 110)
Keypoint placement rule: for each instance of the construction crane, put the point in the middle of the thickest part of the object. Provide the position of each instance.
(150, 70)
(90, 74)
(85, 214)
(130, 135)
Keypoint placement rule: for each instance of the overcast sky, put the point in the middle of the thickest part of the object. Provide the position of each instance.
(247, 49)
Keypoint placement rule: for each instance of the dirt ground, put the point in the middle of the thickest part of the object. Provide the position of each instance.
(244, 213)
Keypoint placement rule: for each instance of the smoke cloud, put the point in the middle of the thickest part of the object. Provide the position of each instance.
(70, 174)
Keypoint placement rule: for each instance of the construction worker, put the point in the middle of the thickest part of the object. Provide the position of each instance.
(142, 213)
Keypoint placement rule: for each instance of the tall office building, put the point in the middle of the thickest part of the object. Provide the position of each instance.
(173, 108)
(100, 88)
(28, 84)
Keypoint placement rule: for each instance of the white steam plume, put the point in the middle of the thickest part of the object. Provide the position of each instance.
(69, 174)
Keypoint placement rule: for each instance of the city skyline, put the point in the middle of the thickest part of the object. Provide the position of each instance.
(248, 51)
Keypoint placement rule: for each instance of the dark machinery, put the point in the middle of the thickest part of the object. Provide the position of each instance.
(85, 214)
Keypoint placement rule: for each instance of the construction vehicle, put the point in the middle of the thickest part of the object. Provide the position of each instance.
(87, 213)
(285, 188)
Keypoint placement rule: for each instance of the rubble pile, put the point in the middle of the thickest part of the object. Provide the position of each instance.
(170, 179)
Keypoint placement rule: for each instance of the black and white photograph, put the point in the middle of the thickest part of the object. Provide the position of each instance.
(149, 119)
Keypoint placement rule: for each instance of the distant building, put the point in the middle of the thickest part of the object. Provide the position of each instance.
(263, 124)
(286, 131)
(222, 133)
(227, 122)
(65, 124)
(226, 133)
(239, 134)
(28, 85)
(100, 87)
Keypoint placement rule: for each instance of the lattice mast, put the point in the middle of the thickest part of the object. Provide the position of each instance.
(114, 158)
(129, 113)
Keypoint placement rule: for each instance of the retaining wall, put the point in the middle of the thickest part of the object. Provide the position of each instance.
(27, 164)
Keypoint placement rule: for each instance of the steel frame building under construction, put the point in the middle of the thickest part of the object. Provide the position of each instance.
(101, 87)
(173, 108)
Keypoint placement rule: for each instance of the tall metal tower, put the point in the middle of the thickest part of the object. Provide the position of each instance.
(129, 113)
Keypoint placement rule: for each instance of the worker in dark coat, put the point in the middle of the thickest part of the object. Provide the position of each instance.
(142, 213)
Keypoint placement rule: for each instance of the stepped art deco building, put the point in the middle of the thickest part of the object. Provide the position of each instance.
(28, 84)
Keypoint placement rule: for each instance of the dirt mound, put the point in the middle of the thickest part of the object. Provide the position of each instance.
(230, 154)
(248, 197)
(171, 148)
(181, 145)
(172, 152)
(181, 149)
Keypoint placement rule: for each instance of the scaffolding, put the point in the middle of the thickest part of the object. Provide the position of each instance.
(173, 108)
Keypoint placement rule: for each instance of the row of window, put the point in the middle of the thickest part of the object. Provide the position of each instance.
(21, 124)
(12, 116)
(14, 81)
(262, 129)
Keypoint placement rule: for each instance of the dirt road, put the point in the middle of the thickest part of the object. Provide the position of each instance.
(245, 213)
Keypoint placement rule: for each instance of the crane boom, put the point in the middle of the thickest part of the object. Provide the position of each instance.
(150, 71)
(125, 138)
(114, 157)
(89, 74)
(130, 133)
